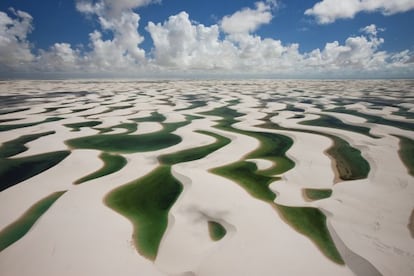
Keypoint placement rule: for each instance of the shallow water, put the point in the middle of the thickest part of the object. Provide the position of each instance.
(369, 125)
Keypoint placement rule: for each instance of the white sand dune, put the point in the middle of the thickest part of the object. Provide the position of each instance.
(17, 199)
(79, 235)
(147, 127)
(76, 236)
(372, 231)
(239, 212)
(262, 164)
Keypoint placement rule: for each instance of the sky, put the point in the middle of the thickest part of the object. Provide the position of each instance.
(216, 38)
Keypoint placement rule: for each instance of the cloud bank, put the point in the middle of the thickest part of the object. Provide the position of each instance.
(14, 47)
(182, 46)
(328, 11)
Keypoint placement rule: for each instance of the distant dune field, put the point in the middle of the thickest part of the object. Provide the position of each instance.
(244, 177)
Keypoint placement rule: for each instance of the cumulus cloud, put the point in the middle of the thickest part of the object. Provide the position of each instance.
(183, 46)
(357, 53)
(372, 30)
(264, 55)
(60, 57)
(15, 50)
(118, 53)
(248, 20)
(179, 43)
(119, 19)
(121, 5)
(125, 41)
(111, 8)
(328, 11)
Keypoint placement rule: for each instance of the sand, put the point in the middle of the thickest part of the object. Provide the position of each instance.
(79, 235)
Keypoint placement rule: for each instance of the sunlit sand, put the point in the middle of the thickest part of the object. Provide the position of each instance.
(161, 178)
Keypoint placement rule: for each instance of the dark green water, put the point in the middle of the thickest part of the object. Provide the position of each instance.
(112, 164)
(147, 200)
(13, 171)
(16, 230)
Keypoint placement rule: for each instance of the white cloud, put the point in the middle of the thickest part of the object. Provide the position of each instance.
(248, 20)
(111, 8)
(15, 50)
(183, 46)
(125, 35)
(179, 43)
(120, 53)
(358, 53)
(371, 30)
(60, 57)
(328, 11)
(88, 7)
(263, 55)
(117, 17)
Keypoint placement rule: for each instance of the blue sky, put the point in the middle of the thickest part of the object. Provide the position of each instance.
(281, 38)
